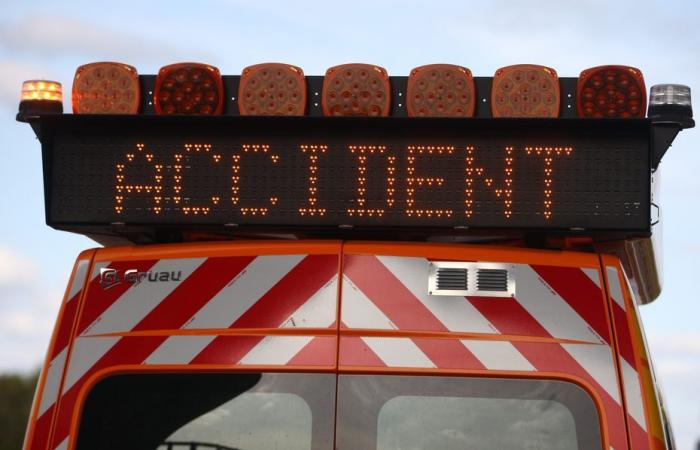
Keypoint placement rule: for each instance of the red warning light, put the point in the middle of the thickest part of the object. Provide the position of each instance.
(612, 92)
(356, 90)
(272, 89)
(525, 90)
(106, 88)
(440, 90)
(189, 88)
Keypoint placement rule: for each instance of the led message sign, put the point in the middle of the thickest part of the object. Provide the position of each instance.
(529, 174)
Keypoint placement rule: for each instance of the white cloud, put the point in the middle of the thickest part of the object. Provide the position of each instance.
(53, 37)
(676, 358)
(16, 269)
(677, 344)
(28, 308)
(19, 323)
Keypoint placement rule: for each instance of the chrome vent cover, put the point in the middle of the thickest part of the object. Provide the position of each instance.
(492, 280)
(452, 278)
(471, 278)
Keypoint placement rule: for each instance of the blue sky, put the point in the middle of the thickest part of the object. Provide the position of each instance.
(50, 39)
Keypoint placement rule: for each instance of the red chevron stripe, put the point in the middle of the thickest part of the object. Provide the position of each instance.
(550, 357)
(65, 327)
(404, 309)
(227, 349)
(354, 352)
(581, 293)
(193, 293)
(273, 308)
(638, 437)
(42, 428)
(624, 337)
(178, 307)
(319, 352)
(129, 350)
(99, 299)
(292, 291)
(511, 315)
(553, 358)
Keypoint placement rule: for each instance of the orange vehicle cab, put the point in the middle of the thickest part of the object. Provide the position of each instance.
(435, 278)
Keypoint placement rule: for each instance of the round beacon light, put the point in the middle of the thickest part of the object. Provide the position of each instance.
(611, 92)
(671, 103)
(189, 88)
(42, 90)
(525, 90)
(440, 90)
(272, 89)
(356, 90)
(106, 88)
(40, 97)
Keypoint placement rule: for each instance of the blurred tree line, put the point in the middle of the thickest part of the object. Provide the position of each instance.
(16, 394)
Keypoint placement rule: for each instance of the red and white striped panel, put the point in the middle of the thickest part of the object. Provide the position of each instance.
(57, 358)
(238, 292)
(560, 309)
(631, 381)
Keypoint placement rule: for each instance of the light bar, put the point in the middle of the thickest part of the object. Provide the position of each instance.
(611, 92)
(272, 89)
(525, 90)
(440, 90)
(356, 90)
(106, 88)
(189, 88)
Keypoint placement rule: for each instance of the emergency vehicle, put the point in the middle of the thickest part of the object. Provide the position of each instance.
(353, 261)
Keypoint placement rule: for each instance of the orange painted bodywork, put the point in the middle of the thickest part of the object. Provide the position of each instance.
(339, 333)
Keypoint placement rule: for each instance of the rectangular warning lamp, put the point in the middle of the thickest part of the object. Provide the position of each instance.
(529, 174)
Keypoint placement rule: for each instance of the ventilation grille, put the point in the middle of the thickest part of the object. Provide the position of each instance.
(483, 279)
(452, 279)
(494, 280)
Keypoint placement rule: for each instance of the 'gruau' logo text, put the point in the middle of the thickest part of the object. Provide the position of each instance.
(112, 277)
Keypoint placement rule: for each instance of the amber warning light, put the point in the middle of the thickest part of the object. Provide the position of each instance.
(41, 97)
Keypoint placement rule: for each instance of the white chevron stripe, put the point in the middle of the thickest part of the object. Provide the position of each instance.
(179, 349)
(318, 311)
(63, 445)
(633, 393)
(498, 355)
(56, 366)
(358, 311)
(140, 299)
(233, 301)
(52, 381)
(598, 361)
(593, 274)
(549, 309)
(86, 352)
(97, 267)
(243, 291)
(123, 315)
(456, 313)
(79, 278)
(615, 287)
(398, 352)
